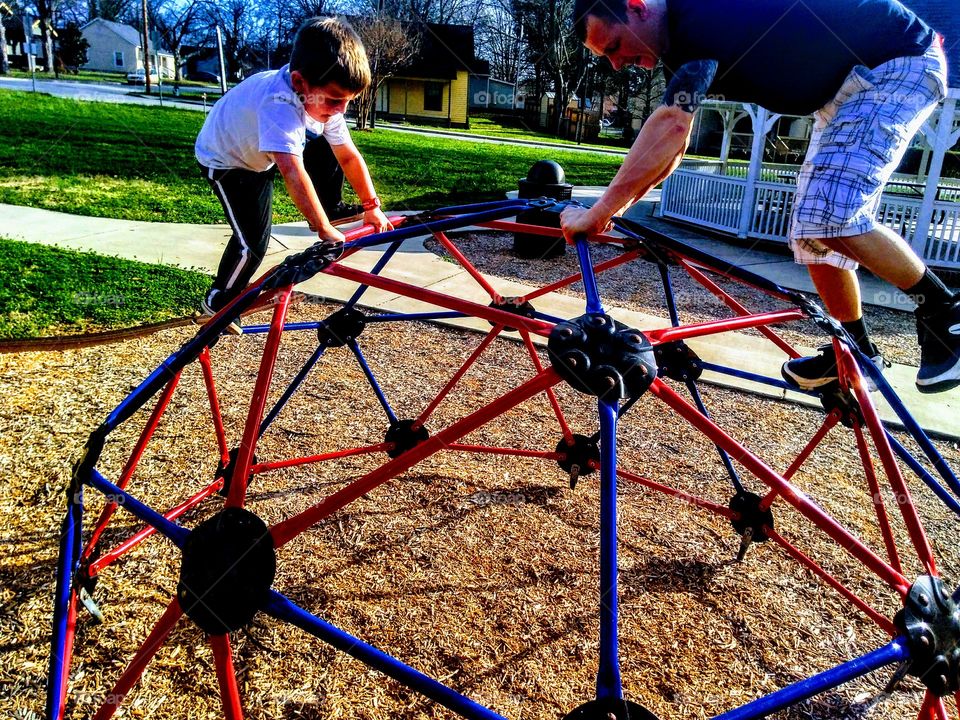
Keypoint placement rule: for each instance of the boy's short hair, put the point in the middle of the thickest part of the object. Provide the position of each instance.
(329, 50)
(611, 11)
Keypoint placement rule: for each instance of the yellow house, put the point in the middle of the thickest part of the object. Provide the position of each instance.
(434, 89)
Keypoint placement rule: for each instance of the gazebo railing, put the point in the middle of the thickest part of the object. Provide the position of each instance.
(697, 194)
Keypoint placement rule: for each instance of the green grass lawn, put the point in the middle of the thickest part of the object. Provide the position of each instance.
(48, 291)
(490, 127)
(135, 162)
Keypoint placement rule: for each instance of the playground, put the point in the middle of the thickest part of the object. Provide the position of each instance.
(473, 542)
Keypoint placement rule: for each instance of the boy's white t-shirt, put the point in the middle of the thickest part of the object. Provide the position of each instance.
(261, 115)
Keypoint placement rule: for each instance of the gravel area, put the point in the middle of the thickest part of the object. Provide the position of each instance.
(480, 570)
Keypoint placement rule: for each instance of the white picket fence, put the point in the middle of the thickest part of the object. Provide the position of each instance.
(697, 193)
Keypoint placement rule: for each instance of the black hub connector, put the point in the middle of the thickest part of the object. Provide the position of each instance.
(341, 327)
(599, 356)
(581, 457)
(514, 306)
(227, 569)
(833, 398)
(930, 621)
(610, 709)
(226, 471)
(404, 435)
(677, 361)
(751, 520)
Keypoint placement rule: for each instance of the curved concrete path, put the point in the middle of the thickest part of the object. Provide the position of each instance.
(200, 247)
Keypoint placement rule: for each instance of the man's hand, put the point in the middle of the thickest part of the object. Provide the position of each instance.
(581, 221)
(376, 218)
(329, 234)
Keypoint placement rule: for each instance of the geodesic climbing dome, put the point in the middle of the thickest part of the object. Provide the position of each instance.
(233, 564)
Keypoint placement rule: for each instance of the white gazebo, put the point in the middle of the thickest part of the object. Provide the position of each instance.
(754, 199)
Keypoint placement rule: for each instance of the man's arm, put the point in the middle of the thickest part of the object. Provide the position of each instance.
(304, 196)
(358, 175)
(655, 154)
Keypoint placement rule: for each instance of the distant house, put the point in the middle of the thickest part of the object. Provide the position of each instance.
(435, 87)
(19, 49)
(488, 93)
(118, 48)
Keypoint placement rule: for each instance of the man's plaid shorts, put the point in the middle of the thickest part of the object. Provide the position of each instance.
(858, 140)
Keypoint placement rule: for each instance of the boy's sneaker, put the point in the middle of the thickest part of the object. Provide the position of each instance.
(207, 312)
(810, 373)
(340, 214)
(939, 337)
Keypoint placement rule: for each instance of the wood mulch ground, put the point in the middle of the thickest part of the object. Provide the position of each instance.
(479, 570)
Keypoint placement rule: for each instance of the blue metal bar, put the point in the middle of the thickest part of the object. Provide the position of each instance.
(941, 492)
(549, 318)
(404, 232)
(257, 329)
(895, 651)
(477, 207)
(67, 563)
(381, 263)
(372, 380)
(743, 374)
(594, 304)
(668, 294)
(283, 609)
(912, 427)
(177, 534)
(176, 362)
(724, 457)
(288, 393)
(393, 317)
(608, 673)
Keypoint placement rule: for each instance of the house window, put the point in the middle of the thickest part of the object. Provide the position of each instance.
(433, 96)
(118, 58)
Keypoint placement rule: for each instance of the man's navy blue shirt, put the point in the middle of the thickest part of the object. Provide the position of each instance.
(790, 56)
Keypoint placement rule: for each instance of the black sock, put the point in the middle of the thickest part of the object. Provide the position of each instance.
(930, 293)
(858, 329)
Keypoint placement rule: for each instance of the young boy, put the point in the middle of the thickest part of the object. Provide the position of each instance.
(261, 126)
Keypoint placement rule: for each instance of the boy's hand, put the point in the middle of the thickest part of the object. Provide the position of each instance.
(376, 218)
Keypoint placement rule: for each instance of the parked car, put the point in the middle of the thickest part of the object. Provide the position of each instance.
(204, 76)
(139, 77)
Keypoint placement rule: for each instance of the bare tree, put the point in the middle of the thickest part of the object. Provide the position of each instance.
(176, 22)
(241, 25)
(389, 47)
(500, 39)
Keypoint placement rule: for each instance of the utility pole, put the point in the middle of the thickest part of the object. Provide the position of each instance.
(4, 60)
(223, 64)
(146, 47)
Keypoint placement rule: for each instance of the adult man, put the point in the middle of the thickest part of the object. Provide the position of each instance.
(870, 71)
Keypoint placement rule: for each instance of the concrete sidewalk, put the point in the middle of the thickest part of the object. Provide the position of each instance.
(200, 247)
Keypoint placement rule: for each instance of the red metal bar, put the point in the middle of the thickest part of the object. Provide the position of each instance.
(135, 669)
(849, 370)
(162, 402)
(69, 639)
(468, 266)
(877, 498)
(208, 382)
(251, 431)
(226, 677)
(713, 327)
(557, 410)
(881, 620)
(932, 708)
(504, 451)
(732, 303)
(576, 277)
(686, 497)
(483, 312)
(474, 356)
(147, 530)
(288, 529)
(765, 474)
(828, 424)
(279, 465)
(514, 226)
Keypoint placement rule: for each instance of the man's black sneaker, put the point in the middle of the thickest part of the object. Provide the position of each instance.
(939, 337)
(810, 373)
(344, 210)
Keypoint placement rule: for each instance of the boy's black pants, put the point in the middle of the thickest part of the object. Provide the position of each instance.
(247, 200)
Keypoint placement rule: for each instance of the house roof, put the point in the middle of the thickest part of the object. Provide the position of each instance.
(444, 49)
(126, 33)
(943, 17)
